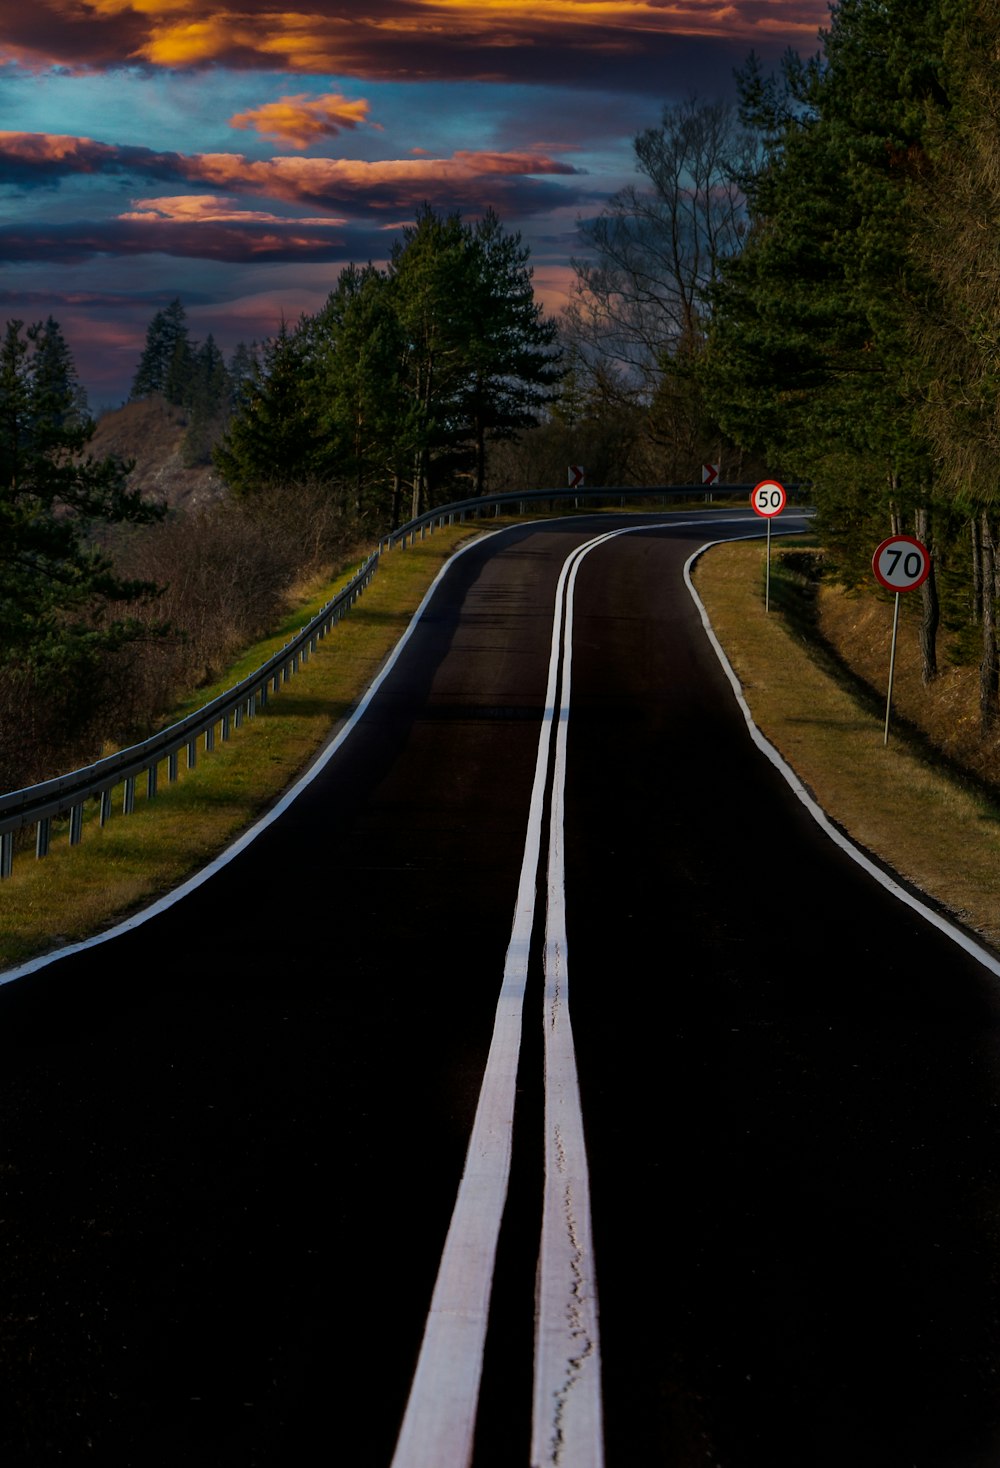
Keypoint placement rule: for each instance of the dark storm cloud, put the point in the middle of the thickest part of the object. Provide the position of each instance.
(465, 180)
(612, 43)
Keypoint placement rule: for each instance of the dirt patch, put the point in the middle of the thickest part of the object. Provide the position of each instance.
(151, 432)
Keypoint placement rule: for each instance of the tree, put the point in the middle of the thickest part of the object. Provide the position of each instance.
(657, 247)
(810, 354)
(273, 439)
(512, 366)
(165, 364)
(405, 375)
(208, 397)
(642, 294)
(956, 316)
(60, 600)
(366, 417)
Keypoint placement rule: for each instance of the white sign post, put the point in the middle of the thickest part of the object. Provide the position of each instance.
(768, 499)
(899, 564)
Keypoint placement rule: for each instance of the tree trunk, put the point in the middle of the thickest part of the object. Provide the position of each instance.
(930, 607)
(988, 671)
(977, 572)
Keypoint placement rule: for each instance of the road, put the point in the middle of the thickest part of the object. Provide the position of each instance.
(234, 1136)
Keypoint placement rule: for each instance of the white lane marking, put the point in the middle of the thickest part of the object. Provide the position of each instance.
(567, 1417)
(439, 1423)
(964, 941)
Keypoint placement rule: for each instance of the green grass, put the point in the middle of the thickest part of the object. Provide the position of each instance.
(75, 892)
(934, 829)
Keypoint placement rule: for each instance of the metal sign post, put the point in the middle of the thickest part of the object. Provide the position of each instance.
(899, 564)
(768, 500)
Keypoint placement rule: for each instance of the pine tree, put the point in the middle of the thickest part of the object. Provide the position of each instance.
(273, 440)
(207, 398)
(56, 584)
(512, 364)
(165, 364)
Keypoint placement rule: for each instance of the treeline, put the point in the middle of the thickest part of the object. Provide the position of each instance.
(395, 388)
(808, 281)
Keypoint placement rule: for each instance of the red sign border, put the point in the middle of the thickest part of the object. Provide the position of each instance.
(905, 540)
(770, 484)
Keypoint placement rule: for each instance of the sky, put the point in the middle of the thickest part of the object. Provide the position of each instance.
(238, 156)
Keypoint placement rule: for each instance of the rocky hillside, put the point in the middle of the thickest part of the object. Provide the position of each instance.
(151, 432)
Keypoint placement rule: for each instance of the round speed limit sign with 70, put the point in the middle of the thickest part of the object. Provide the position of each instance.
(768, 498)
(901, 563)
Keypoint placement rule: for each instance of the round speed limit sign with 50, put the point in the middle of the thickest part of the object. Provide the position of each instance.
(768, 498)
(901, 563)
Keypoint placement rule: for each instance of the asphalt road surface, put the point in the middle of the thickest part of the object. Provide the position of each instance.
(726, 1110)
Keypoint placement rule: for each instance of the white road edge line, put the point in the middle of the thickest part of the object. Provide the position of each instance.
(294, 791)
(963, 940)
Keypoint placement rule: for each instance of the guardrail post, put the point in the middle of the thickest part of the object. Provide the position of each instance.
(43, 835)
(210, 738)
(192, 752)
(105, 806)
(6, 853)
(151, 782)
(224, 728)
(128, 798)
(75, 825)
(172, 766)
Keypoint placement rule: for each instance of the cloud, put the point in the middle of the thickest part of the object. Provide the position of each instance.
(303, 120)
(574, 42)
(210, 209)
(466, 179)
(233, 243)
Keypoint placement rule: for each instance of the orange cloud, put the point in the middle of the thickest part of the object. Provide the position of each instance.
(413, 39)
(302, 120)
(43, 159)
(210, 209)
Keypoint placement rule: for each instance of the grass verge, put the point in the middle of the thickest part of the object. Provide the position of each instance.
(937, 830)
(76, 892)
(940, 832)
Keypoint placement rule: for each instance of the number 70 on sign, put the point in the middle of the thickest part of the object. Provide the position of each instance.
(900, 563)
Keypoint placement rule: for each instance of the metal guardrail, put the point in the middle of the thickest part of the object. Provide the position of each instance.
(67, 794)
(462, 510)
(40, 805)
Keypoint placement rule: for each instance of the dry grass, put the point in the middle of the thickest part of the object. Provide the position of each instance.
(940, 832)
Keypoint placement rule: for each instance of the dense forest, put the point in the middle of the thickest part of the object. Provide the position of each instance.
(804, 282)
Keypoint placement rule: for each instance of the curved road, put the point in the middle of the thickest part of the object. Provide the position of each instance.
(750, 1197)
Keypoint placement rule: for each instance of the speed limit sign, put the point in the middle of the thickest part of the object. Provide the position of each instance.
(768, 498)
(901, 563)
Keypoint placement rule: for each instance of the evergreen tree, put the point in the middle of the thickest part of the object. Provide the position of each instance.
(56, 585)
(512, 364)
(273, 440)
(365, 416)
(208, 397)
(810, 356)
(165, 364)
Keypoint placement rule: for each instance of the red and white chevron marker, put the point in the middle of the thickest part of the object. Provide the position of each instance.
(709, 473)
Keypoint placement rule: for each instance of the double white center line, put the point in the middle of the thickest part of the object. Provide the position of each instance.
(439, 1425)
